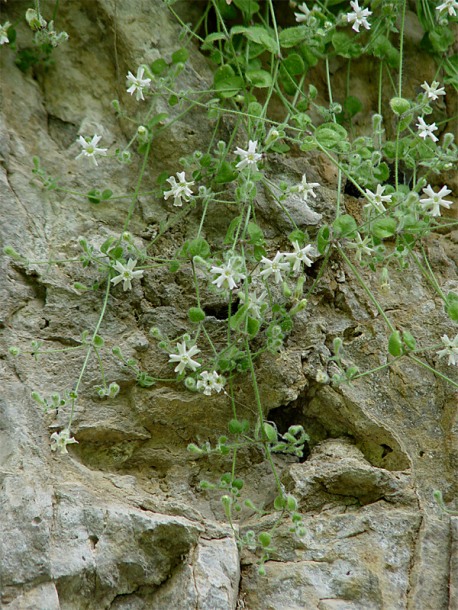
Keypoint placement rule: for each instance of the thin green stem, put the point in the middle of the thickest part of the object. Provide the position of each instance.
(366, 289)
(433, 370)
(261, 416)
(89, 350)
(401, 47)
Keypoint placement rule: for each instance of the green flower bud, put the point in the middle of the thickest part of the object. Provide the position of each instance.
(196, 314)
(399, 105)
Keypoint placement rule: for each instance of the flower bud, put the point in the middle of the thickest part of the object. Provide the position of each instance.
(399, 105)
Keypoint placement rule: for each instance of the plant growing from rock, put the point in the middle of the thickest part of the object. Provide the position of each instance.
(392, 162)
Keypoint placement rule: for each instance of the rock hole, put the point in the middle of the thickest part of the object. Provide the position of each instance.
(93, 540)
(386, 449)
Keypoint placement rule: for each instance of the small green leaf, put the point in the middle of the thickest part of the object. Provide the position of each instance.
(180, 56)
(259, 78)
(94, 196)
(384, 228)
(452, 306)
(249, 7)
(395, 346)
(159, 66)
(238, 318)
(252, 326)
(409, 340)
(322, 240)
(235, 426)
(260, 36)
(345, 45)
(290, 37)
(198, 247)
(297, 235)
(330, 135)
(106, 194)
(344, 226)
(255, 233)
(270, 432)
(352, 105)
(294, 64)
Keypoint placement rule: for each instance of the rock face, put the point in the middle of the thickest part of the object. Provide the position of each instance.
(119, 522)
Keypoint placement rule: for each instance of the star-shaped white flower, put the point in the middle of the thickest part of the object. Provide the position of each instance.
(137, 84)
(180, 190)
(305, 188)
(361, 246)
(451, 6)
(377, 199)
(4, 33)
(426, 131)
(450, 350)
(126, 274)
(358, 16)
(90, 149)
(184, 358)
(433, 90)
(60, 440)
(255, 303)
(435, 200)
(299, 256)
(228, 276)
(210, 382)
(275, 266)
(304, 13)
(248, 158)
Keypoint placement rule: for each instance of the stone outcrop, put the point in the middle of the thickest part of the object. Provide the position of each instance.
(120, 522)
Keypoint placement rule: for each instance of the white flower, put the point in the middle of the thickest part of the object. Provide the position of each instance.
(361, 246)
(137, 83)
(3, 32)
(299, 256)
(450, 5)
(358, 16)
(274, 266)
(305, 188)
(304, 13)
(228, 276)
(184, 358)
(90, 149)
(210, 382)
(248, 157)
(126, 274)
(433, 91)
(376, 199)
(60, 440)
(435, 200)
(180, 190)
(426, 130)
(451, 349)
(255, 303)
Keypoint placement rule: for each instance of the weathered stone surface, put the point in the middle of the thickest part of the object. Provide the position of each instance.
(119, 522)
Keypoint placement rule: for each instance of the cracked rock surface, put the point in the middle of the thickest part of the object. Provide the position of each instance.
(119, 522)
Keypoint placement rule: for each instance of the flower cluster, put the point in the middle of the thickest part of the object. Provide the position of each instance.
(450, 350)
(282, 260)
(90, 149)
(60, 440)
(126, 274)
(248, 158)
(426, 131)
(180, 191)
(184, 358)
(451, 6)
(228, 275)
(138, 84)
(210, 382)
(435, 200)
(358, 16)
